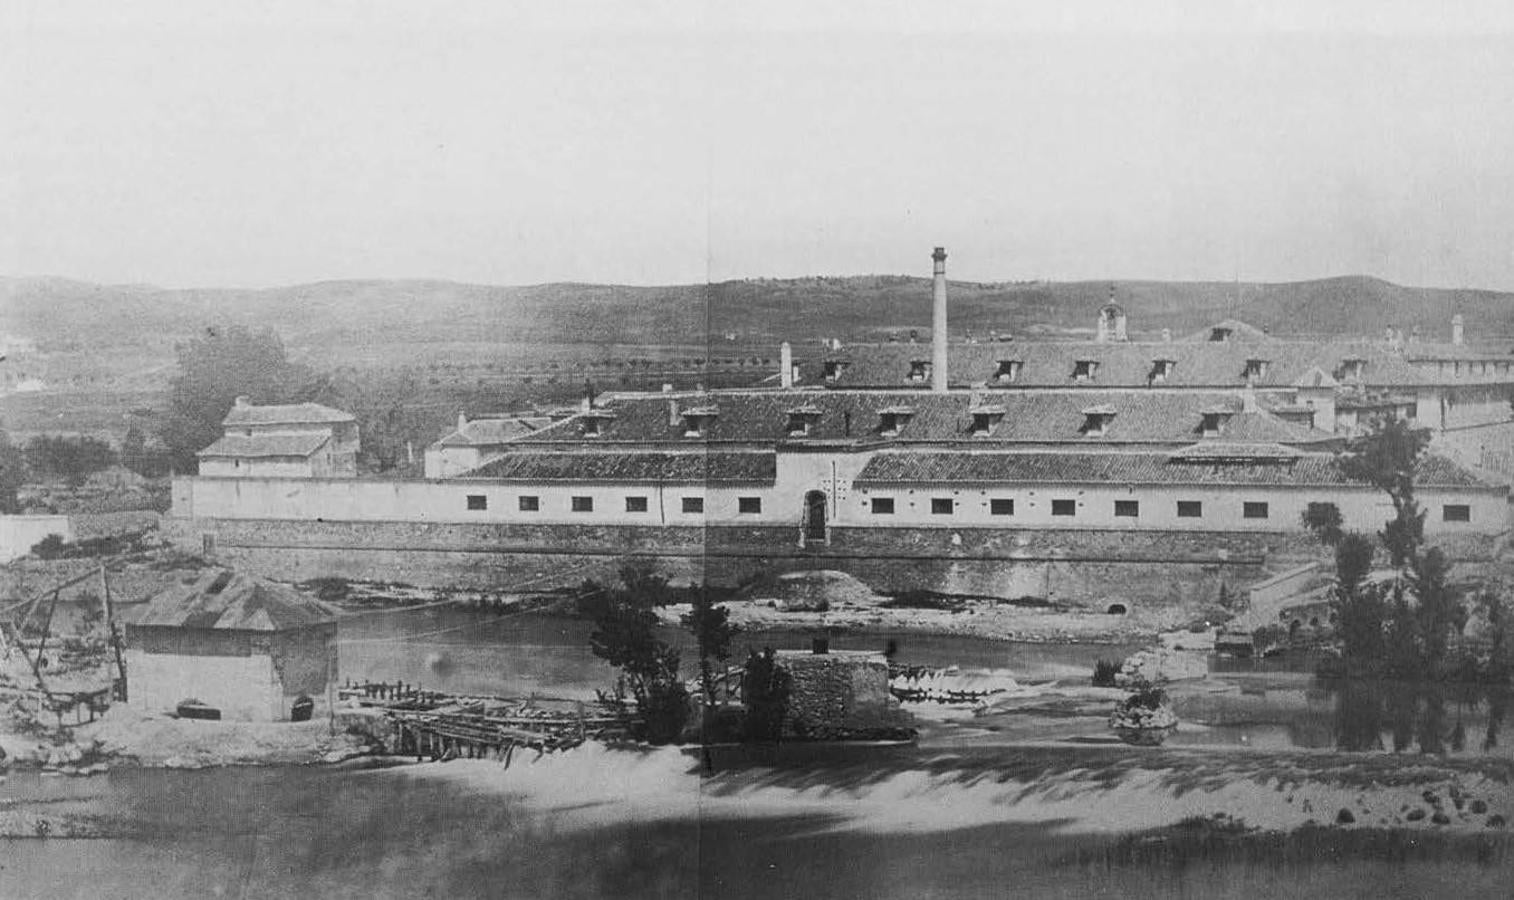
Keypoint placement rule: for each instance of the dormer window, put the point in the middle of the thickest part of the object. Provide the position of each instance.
(984, 420)
(1009, 370)
(801, 420)
(1351, 368)
(1084, 370)
(696, 421)
(1255, 368)
(594, 422)
(1214, 421)
(893, 418)
(1161, 370)
(1220, 334)
(1096, 420)
(919, 370)
(834, 368)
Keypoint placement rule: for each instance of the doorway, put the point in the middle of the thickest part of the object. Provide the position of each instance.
(814, 516)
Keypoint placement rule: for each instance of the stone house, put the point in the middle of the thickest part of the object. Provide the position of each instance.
(298, 440)
(254, 650)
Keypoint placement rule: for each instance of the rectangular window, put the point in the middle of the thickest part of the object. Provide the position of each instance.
(941, 506)
(1127, 509)
(749, 505)
(478, 501)
(1190, 509)
(1456, 512)
(636, 504)
(583, 504)
(1001, 506)
(530, 504)
(1254, 510)
(693, 504)
(883, 506)
(1064, 507)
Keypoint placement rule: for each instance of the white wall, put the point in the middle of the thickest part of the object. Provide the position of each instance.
(260, 467)
(243, 688)
(19, 533)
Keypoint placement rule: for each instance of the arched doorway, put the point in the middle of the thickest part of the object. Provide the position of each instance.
(1116, 609)
(301, 710)
(814, 516)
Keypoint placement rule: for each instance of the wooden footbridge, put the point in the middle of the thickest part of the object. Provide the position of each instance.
(439, 726)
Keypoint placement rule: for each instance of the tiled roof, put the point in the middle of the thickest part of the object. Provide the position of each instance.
(1050, 364)
(1239, 332)
(761, 418)
(1130, 468)
(226, 600)
(244, 446)
(684, 468)
(486, 432)
(286, 414)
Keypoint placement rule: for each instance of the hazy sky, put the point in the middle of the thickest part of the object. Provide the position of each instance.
(262, 143)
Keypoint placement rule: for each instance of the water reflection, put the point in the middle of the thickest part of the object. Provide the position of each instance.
(1416, 716)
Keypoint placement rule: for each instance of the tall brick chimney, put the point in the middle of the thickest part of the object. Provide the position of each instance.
(938, 323)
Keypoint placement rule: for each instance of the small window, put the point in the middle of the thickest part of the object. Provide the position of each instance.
(478, 501)
(530, 503)
(1254, 510)
(1084, 369)
(1064, 507)
(583, 504)
(883, 506)
(693, 504)
(941, 506)
(1190, 509)
(1456, 512)
(636, 504)
(749, 505)
(1127, 509)
(1001, 506)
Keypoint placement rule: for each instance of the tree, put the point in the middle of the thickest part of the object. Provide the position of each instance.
(72, 459)
(216, 368)
(391, 412)
(1387, 456)
(625, 636)
(765, 689)
(1324, 520)
(713, 631)
(13, 474)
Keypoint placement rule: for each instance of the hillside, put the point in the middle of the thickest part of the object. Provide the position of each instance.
(63, 314)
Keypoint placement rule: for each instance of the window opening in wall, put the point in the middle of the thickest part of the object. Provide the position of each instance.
(919, 370)
(1064, 507)
(1190, 509)
(1254, 510)
(1127, 509)
(1456, 512)
(1116, 609)
(1009, 370)
(749, 505)
(478, 501)
(883, 506)
(1001, 506)
(693, 504)
(1255, 368)
(1084, 369)
(530, 504)
(941, 506)
(582, 504)
(636, 504)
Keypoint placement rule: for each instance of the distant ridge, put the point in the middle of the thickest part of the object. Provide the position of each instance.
(853, 308)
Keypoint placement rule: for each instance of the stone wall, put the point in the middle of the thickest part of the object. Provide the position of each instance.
(845, 690)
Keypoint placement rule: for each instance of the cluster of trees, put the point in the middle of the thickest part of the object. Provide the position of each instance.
(626, 636)
(1407, 626)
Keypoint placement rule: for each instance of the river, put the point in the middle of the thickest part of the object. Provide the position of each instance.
(635, 824)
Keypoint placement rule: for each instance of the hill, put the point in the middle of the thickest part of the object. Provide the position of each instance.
(64, 314)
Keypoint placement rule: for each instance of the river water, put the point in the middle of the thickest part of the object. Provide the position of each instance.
(635, 824)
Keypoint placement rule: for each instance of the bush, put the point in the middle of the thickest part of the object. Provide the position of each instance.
(765, 689)
(51, 547)
(1104, 671)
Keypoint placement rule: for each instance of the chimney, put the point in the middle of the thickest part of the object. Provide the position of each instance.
(938, 322)
(1166, 335)
(462, 421)
(242, 402)
(1458, 330)
(785, 365)
(673, 418)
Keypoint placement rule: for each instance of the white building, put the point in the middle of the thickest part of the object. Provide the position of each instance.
(301, 440)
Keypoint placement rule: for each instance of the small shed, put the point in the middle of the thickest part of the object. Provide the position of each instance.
(253, 650)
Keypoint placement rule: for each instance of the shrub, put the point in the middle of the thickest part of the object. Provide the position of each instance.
(765, 689)
(1104, 671)
(51, 547)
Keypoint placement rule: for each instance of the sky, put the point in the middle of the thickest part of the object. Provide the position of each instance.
(256, 144)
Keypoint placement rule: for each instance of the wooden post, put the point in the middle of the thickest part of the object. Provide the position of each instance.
(115, 634)
(47, 627)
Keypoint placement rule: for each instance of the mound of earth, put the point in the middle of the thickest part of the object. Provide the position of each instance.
(814, 591)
